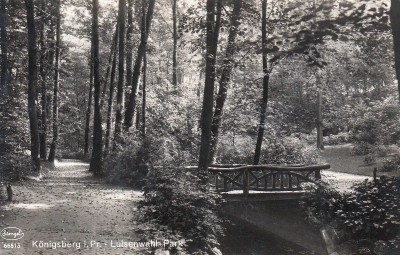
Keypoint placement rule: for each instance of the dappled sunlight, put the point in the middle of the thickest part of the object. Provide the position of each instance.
(343, 181)
(29, 206)
(69, 163)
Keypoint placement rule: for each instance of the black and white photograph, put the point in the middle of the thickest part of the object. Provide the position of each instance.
(200, 127)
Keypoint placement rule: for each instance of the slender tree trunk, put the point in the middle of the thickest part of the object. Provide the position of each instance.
(54, 142)
(121, 71)
(395, 23)
(4, 76)
(130, 109)
(32, 82)
(320, 144)
(138, 117)
(4, 147)
(96, 162)
(264, 102)
(43, 74)
(129, 49)
(175, 38)
(144, 80)
(110, 103)
(89, 103)
(208, 98)
(227, 67)
(109, 66)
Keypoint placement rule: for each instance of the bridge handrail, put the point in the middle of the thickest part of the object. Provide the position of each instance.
(278, 172)
(271, 168)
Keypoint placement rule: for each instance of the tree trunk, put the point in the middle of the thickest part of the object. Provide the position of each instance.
(129, 49)
(395, 23)
(225, 77)
(90, 99)
(320, 144)
(109, 66)
(4, 147)
(110, 103)
(32, 81)
(208, 96)
(4, 76)
(175, 38)
(144, 94)
(54, 142)
(264, 102)
(146, 24)
(43, 74)
(121, 70)
(96, 162)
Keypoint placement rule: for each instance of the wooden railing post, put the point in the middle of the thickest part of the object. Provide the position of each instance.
(246, 182)
(318, 174)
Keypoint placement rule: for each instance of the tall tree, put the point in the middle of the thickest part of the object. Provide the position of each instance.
(145, 31)
(4, 48)
(96, 162)
(54, 142)
(32, 82)
(129, 46)
(43, 75)
(144, 82)
(264, 102)
(110, 103)
(395, 23)
(212, 27)
(89, 103)
(227, 67)
(113, 48)
(121, 69)
(175, 38)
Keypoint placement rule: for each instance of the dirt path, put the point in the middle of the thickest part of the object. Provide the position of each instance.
(70, 207)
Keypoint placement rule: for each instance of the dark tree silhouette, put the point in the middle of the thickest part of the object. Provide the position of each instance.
(121, 70)
(43, 75)
(145, 31)
(395, 23)
(174, 51)
(32, 82)
(4, 48)
(96, 162)
(54, 142)
(212, 27)
(264, 102)
(227, 67)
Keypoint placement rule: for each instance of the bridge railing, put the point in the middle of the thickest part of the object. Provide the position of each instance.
(226, 178)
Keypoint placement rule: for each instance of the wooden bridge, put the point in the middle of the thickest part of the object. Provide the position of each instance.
(263, 182)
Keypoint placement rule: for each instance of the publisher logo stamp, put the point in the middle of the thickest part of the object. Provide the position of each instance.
(11, 233)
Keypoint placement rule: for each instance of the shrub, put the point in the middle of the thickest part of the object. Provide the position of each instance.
(175, 200)
(379, 123)
(340, 138)
(288, 150)
(131, 162)
(391, 165)
(371, 212)
(370, 159)
(275, 150)
(362, 148)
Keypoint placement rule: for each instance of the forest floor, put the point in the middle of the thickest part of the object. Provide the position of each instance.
(341, 159)
(70, 206)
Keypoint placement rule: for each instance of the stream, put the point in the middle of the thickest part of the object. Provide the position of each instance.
(242, 239)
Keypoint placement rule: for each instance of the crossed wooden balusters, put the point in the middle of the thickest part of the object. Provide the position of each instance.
(264, 177)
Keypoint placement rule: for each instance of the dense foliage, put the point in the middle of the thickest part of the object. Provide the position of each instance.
(175, 199)
(371, 212)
